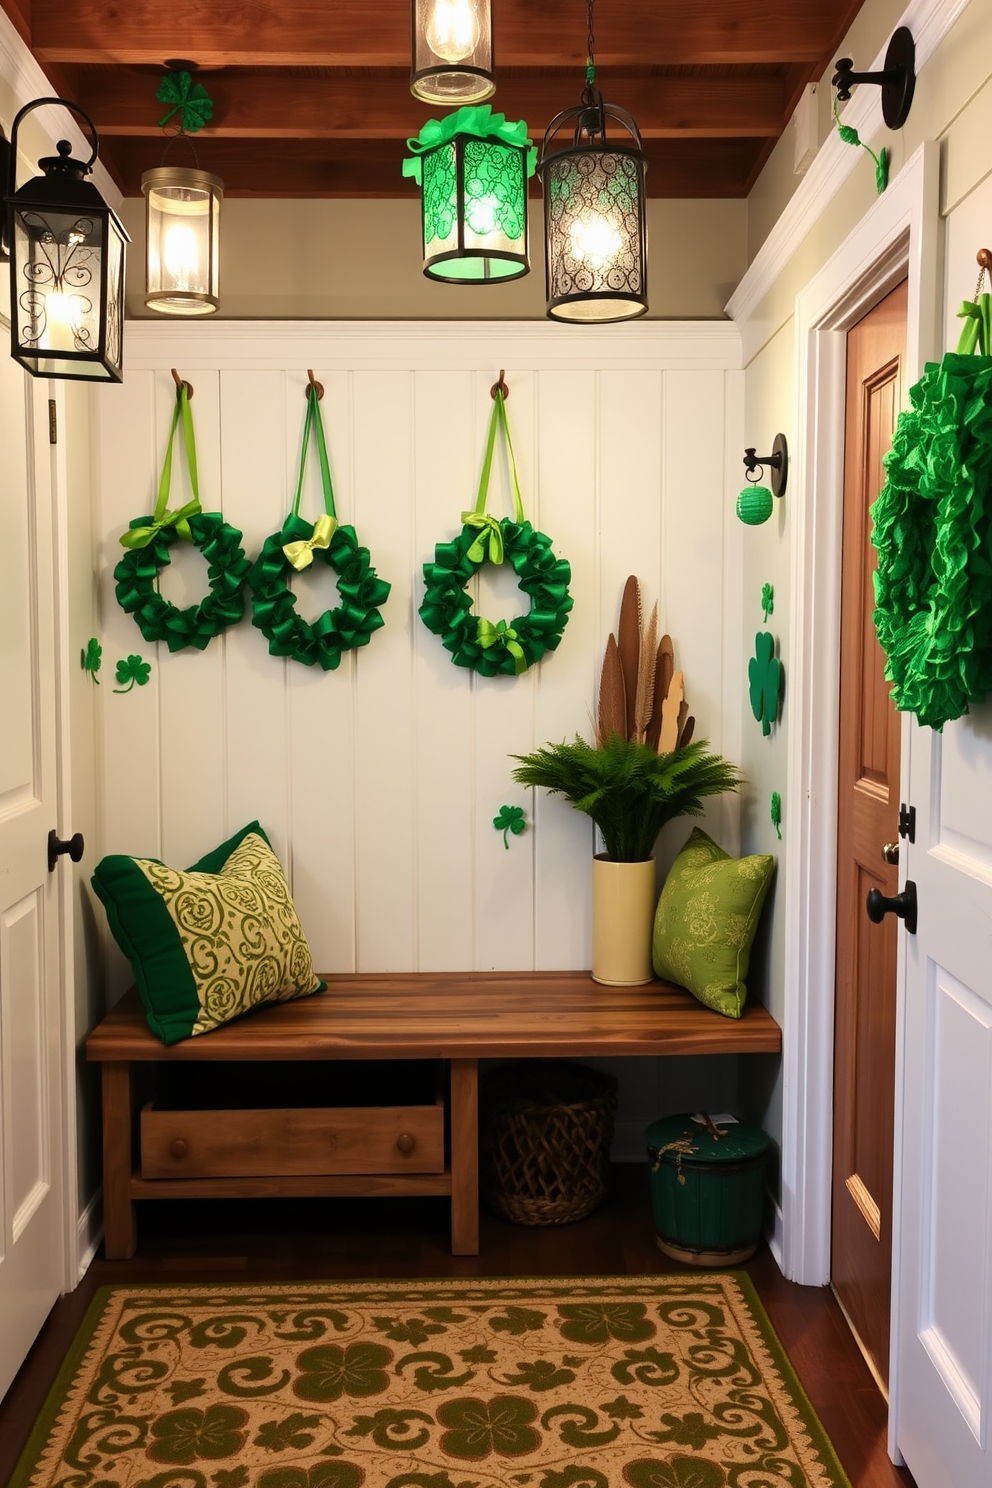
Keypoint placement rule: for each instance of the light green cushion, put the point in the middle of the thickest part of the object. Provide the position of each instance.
(211, 943)
(706, 919)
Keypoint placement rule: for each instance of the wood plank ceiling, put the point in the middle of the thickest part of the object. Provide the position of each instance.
(311, 97)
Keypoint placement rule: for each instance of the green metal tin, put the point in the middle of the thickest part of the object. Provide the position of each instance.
(707, 1190)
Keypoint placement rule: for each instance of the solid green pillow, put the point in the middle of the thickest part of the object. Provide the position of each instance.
(211, 943)
(706, 919)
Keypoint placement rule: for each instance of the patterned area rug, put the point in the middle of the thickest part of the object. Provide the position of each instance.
(600, 1382)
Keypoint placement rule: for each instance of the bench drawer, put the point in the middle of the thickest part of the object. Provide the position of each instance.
(295, 1141)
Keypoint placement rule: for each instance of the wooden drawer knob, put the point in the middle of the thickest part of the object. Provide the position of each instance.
(178, 1148)
(405, 1143)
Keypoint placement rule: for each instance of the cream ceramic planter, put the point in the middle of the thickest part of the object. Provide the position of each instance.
(623, 905)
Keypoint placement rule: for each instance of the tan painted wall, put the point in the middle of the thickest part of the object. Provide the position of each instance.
(953, 104)
(297, 260)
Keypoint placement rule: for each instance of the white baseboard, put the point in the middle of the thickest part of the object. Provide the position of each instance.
(773, 1230)
(89, 1233)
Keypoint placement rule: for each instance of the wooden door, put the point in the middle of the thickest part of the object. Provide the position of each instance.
(32, 1180)
(868, 811)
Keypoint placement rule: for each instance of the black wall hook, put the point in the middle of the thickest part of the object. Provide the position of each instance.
(897, 80)
(777, 462)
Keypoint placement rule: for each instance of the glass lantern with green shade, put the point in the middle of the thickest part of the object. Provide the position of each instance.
(472, 168)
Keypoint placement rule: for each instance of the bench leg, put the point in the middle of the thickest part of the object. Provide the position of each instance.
(120, 1230)
(464, 1157)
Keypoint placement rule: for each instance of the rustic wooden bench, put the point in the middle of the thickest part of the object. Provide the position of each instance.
(455, 1017)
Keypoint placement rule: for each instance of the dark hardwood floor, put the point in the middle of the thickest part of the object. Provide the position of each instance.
(297, 1240)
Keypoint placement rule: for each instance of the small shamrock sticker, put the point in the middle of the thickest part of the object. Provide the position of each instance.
(510, 819)
(850, 136)
(764, 672)
(767, 600)
(133, 671)
(189, 100)
(91, 659)
(776, 813)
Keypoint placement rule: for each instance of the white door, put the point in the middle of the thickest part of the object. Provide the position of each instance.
(31, 1190)
(943, 1398)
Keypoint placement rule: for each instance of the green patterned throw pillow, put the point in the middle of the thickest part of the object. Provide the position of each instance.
(706, 919)
(211, 943)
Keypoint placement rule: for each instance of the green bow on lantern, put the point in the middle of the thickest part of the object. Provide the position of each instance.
(300, 554)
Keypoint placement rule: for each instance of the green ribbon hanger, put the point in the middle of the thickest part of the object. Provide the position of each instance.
(300, 552)
(141, 536)
(976, 334)
(489, 527)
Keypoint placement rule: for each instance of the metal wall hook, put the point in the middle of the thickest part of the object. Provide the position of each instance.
(500, 387)
(897, 79)
(312, 382)
(181, 383)
(777, 462)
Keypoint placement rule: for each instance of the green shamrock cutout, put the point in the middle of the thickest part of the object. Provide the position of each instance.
(776, 813)
(189, 100)
(764, 672)
(91, 660)
(132, 670)
(510, 819)
(850, 136)
(767, 600)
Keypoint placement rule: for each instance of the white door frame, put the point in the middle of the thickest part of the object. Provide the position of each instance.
(899, 236)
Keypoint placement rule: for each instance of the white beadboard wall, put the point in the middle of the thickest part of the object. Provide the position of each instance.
(378, 783)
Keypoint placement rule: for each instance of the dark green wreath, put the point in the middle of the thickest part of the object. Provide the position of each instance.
(932, 527)
(294, 548)
(446, 610)
(148, 540)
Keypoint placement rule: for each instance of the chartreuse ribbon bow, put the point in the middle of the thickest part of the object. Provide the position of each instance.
(300, 554)
(976, 336)
(140, 537)
(490, 531)
(489, 634)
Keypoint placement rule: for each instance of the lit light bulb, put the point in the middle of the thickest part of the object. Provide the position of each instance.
(180, 256)
(453, 30)
(62, 321)
(595, 241)
(481, 214)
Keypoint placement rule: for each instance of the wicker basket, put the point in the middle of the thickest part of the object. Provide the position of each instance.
(546, 1132)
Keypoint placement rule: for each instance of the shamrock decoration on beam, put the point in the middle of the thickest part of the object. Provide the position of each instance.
(765, 676)
(189, 100)
(510, 819)
(91, 659)
(132, 670)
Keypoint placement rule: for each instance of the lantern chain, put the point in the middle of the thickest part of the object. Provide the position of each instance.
(590, 45)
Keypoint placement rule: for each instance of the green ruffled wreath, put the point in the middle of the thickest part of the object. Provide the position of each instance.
(148, 540)
(446, 610)
(932, 527)
(294, 548)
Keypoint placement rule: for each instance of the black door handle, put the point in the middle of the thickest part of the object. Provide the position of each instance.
(903, 905)
(56, 846)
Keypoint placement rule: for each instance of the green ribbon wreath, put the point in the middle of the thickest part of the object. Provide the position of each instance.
(932, 527)
(148, 540)
(446, 610)
(293, 548)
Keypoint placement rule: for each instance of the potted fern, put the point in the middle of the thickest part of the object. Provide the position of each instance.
(643, 771)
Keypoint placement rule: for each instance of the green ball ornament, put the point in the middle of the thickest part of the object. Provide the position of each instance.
(754, 505)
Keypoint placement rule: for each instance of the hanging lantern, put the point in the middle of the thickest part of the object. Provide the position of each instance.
(452, 51)
(594, 210)
(182, 240)
(66, 251)
(472, 168)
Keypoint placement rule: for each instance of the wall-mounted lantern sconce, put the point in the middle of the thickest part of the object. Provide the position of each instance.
(452, 51)
(754, 504)
(897, 79)
(66, 252)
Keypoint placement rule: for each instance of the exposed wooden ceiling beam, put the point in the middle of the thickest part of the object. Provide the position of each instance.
(355, 33)
(274, 106)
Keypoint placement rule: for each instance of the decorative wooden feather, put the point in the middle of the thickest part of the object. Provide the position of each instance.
(612, 698)
(686, 732)
(629, 645)
(670, 715)
(664, 666)
(644, 701)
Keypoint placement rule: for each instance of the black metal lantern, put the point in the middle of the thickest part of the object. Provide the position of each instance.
(66, 251)
(594, 210)
(452, 51)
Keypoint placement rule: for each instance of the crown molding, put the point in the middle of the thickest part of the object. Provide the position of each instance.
(929, 21)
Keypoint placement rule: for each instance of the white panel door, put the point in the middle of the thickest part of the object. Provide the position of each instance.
(31, 1177)
(944, 1330)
